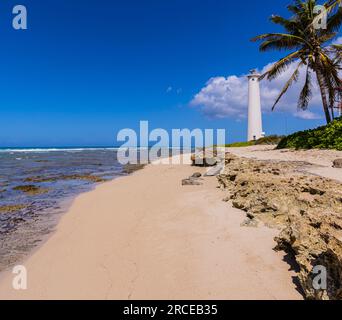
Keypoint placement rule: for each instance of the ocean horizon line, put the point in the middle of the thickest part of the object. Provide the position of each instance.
(75, 148)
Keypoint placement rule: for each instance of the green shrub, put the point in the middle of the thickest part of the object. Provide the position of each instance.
(325, 137)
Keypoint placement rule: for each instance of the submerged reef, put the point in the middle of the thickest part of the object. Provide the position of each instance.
(31, 189)
(87, 177)
(130, 168)
(11, 208)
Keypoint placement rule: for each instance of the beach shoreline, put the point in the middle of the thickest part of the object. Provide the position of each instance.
(171, 242)
(36, 188)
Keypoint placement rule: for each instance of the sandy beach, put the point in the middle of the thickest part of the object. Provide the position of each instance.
(146, 236)
(244, 99)
(320, 160)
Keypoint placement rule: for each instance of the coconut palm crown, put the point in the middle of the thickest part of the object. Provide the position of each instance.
(311, 48)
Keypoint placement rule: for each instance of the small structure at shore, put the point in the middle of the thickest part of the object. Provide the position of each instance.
(254, 107)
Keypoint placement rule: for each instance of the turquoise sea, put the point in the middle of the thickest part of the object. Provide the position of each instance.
(37, 185)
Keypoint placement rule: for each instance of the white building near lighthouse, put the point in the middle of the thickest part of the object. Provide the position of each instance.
(254, 107)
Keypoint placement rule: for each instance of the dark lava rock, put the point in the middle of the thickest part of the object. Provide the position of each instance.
(196, 175)
(191, 182)
(338, 163)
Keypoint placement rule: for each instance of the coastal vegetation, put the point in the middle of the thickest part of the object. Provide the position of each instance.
(324, 137)
(240, 144)
(313, 51)
(269, 140)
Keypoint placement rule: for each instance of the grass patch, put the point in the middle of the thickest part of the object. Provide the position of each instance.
(269, 140)
(240, 144)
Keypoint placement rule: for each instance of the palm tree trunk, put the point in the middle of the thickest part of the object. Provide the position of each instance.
(333, 112)
(323, 95)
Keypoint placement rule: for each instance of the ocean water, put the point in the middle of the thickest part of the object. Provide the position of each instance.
(56, 176)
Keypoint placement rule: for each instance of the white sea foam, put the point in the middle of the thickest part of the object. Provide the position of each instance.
(41, 150)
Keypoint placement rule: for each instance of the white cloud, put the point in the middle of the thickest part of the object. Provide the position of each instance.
(338, 40)
(307, 115)
(227, 97)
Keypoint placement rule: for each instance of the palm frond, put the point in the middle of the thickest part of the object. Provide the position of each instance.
(293, 78)
(335, 21)
(332, 4)
(306, 93)
(289, 24)
(311, 47)
(330, 70)
(280, 66)
(274, 35)
(326, 36)
(296, 8)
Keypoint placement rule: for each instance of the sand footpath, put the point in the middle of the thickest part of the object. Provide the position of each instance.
(147, 237)
(321, 161)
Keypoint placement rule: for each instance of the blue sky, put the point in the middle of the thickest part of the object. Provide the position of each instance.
(85, 69)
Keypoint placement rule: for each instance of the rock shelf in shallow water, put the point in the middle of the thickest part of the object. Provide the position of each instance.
(31, 189)
(11, 208)
(90, 178)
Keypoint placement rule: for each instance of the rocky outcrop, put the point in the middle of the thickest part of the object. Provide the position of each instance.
(204, 158)
(11, 208)
(306, 209)
(216, 170)
(86, 177)
(191, 181)
(337, 163)
(197, 175)
(130, 168)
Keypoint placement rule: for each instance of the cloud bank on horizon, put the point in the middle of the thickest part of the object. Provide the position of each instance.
(227, 97)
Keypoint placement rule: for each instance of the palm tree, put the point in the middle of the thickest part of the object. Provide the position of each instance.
(310, 50)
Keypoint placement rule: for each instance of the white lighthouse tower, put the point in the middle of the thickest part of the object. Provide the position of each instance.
(254, 107)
